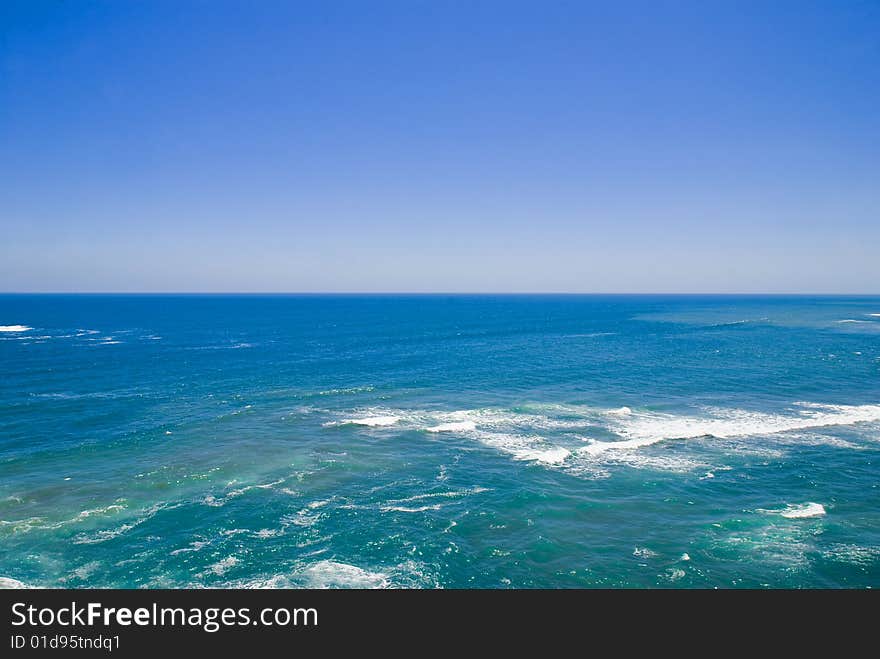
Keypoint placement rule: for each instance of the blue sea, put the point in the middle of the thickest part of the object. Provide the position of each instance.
(441, 441)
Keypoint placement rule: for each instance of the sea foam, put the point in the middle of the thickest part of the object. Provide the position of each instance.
(15, 328)
(374, 421)
(455, 426)
(7, 583)
(333, 574)
(855, 554)
(221, 567)
(644, 429)
(801, 510)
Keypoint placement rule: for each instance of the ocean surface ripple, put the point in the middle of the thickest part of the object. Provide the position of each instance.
(439, 441)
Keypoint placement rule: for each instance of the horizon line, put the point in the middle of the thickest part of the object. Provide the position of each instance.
(462, 293)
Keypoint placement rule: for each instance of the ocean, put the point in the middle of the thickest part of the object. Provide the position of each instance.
(439, 441)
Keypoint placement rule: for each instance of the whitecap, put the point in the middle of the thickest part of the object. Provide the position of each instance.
(195, 545)
(372, 421)
(802, 510)
(645, 429)
(454, 426)
(556, 455)
(407, 509)
(533, 448)
(15, 328)
(599, 447)
(644, 552)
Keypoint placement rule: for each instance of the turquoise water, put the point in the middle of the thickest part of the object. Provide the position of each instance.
(439, 441)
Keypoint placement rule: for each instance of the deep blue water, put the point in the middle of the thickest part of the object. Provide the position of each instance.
(440, 441)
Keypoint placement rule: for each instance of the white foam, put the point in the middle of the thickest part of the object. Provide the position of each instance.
(850, 320)
(394, 505)
(269, 533)
(454, 494)
(674, 573)
(336, 574)
(523, 447)
(28, 524)
(113, 508)
(407, 509)
(83, 572)
(790, 545)
(221, 567)
(509, 432)
(675, 463)
(15, 328)
(731, 323)
(455, 426)
(108, 534)
(599, 447)
(547, 456)
(235, 346)
(644, 429)
(644, 552)
(211, 500)
(874, 315)
(373, 421)
(195, 545)
(7, 583)
(855, 554)
(533, 433)
(345, 390)
(802, 510)
(332, 574)
(302, 517)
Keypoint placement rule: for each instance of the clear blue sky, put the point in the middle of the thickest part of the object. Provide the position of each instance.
(440, 146)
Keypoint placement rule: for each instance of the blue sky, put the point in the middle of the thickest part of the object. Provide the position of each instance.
(440, 146)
